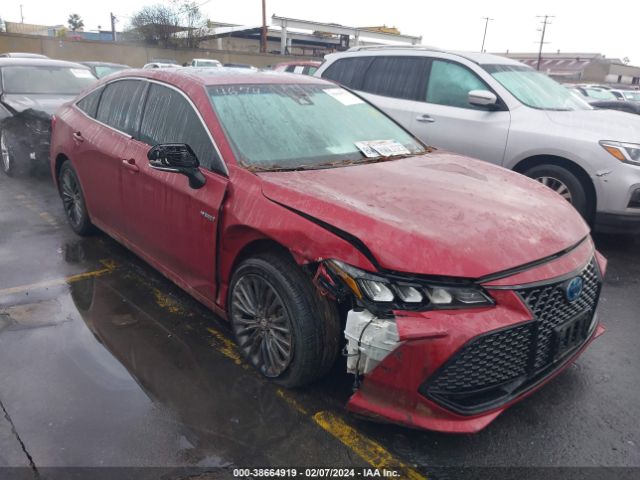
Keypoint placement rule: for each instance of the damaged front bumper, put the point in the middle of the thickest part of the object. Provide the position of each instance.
(457, 370)
(396, 388)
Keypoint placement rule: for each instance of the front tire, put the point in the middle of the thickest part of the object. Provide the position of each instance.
(9, 166)
(565, 183)
(283, 327)
(73, 200)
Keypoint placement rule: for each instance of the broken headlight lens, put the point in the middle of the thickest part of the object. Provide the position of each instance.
(625, 152)
(397, 292)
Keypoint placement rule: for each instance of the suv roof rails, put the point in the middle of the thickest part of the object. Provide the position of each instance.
(395, 47)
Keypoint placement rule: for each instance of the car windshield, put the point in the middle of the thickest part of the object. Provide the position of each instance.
(46, 80)
(633, 96)
(279, 127)
(535, 89)
(600, 94)
(104, 70)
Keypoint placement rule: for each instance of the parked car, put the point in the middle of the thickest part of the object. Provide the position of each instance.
(627, 95)
(160, 65)
(623, 106)
(303, 67)
(21, 55)
(102, 69)
(461, 286)
(504, 112)
(598, 93)
(205, 63)
(240, 65)
(31, 89)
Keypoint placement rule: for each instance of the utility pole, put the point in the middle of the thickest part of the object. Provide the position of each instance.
(21, 15)
(113, 26)
(263, 37)
(544, 22)
(486, 25)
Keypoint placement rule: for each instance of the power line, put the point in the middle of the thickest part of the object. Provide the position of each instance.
(486, 25)
(544, 23)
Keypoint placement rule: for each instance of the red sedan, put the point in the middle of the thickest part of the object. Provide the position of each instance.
(298, 211)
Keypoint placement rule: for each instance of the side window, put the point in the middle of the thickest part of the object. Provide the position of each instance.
(450, 84)
(121, 105)
(397, 77)
(310, 70)
(170, 118)
(290, 68)
(348, 71)
(89, 103)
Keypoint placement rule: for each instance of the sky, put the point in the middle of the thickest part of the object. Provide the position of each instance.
(578, 26)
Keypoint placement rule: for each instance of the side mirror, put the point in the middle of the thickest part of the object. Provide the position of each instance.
(177, 158)
(482, 98)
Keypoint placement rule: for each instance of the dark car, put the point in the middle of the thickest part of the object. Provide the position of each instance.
(630, 107)
(31, 89)
(102, 69)
(455, 302)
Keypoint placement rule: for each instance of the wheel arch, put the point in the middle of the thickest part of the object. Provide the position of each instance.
(533, 161)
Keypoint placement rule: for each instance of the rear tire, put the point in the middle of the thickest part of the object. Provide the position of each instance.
(283, 327)
(75, 207)
(565, 183)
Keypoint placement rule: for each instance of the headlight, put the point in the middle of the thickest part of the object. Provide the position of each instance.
(625, 152)
(395, 291)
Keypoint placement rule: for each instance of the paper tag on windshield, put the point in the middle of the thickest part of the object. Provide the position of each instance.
(382, 148)
(366, 149)
(81, 73)
(343, 96)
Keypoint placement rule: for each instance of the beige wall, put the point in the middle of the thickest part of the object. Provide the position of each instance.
(131, 54)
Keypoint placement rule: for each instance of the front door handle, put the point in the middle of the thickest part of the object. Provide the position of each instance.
(77, 136)
(425, 118)
(130, 164)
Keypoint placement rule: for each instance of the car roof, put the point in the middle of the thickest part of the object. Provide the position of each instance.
(423, 50)
(22, 55)
(38, 62)
(219, 76)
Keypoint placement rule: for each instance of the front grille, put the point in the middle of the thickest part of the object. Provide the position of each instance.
(495, 367)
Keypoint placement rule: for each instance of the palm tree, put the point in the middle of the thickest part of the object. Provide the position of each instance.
(75, 22)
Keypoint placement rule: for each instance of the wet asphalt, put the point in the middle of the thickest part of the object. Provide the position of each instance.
(120, 368)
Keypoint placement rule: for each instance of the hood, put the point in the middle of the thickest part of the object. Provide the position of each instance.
(45, 103)
(599, 124)
(437, 214)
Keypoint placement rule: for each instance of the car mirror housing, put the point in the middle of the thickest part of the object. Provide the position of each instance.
(482, 98)
(177, 158)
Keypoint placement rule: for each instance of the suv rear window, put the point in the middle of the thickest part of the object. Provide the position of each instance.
(397, 77)
(348, 71)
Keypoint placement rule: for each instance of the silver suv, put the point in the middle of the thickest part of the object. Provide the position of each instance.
(504, 112)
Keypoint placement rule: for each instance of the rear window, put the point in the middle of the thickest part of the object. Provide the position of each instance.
(348, 71)
(397, 77)
(46, 80)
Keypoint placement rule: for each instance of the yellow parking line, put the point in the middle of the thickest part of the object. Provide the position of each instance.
(371, 452)
(109, 266)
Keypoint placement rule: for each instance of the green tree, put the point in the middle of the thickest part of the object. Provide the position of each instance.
(75, 22)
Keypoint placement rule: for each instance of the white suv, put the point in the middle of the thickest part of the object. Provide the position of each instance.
(504, 112)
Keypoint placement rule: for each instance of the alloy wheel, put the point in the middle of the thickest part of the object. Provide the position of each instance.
(262, 325)
(4, 148)
(557, 186)
(72, 198)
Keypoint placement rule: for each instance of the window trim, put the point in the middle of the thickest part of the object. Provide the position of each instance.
(500, 105)
(225, 171)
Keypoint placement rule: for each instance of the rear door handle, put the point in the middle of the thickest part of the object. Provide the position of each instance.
(130, 164)
(77, 136)
(425, 118)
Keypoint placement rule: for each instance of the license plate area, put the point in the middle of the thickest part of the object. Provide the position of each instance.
(571, 334)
